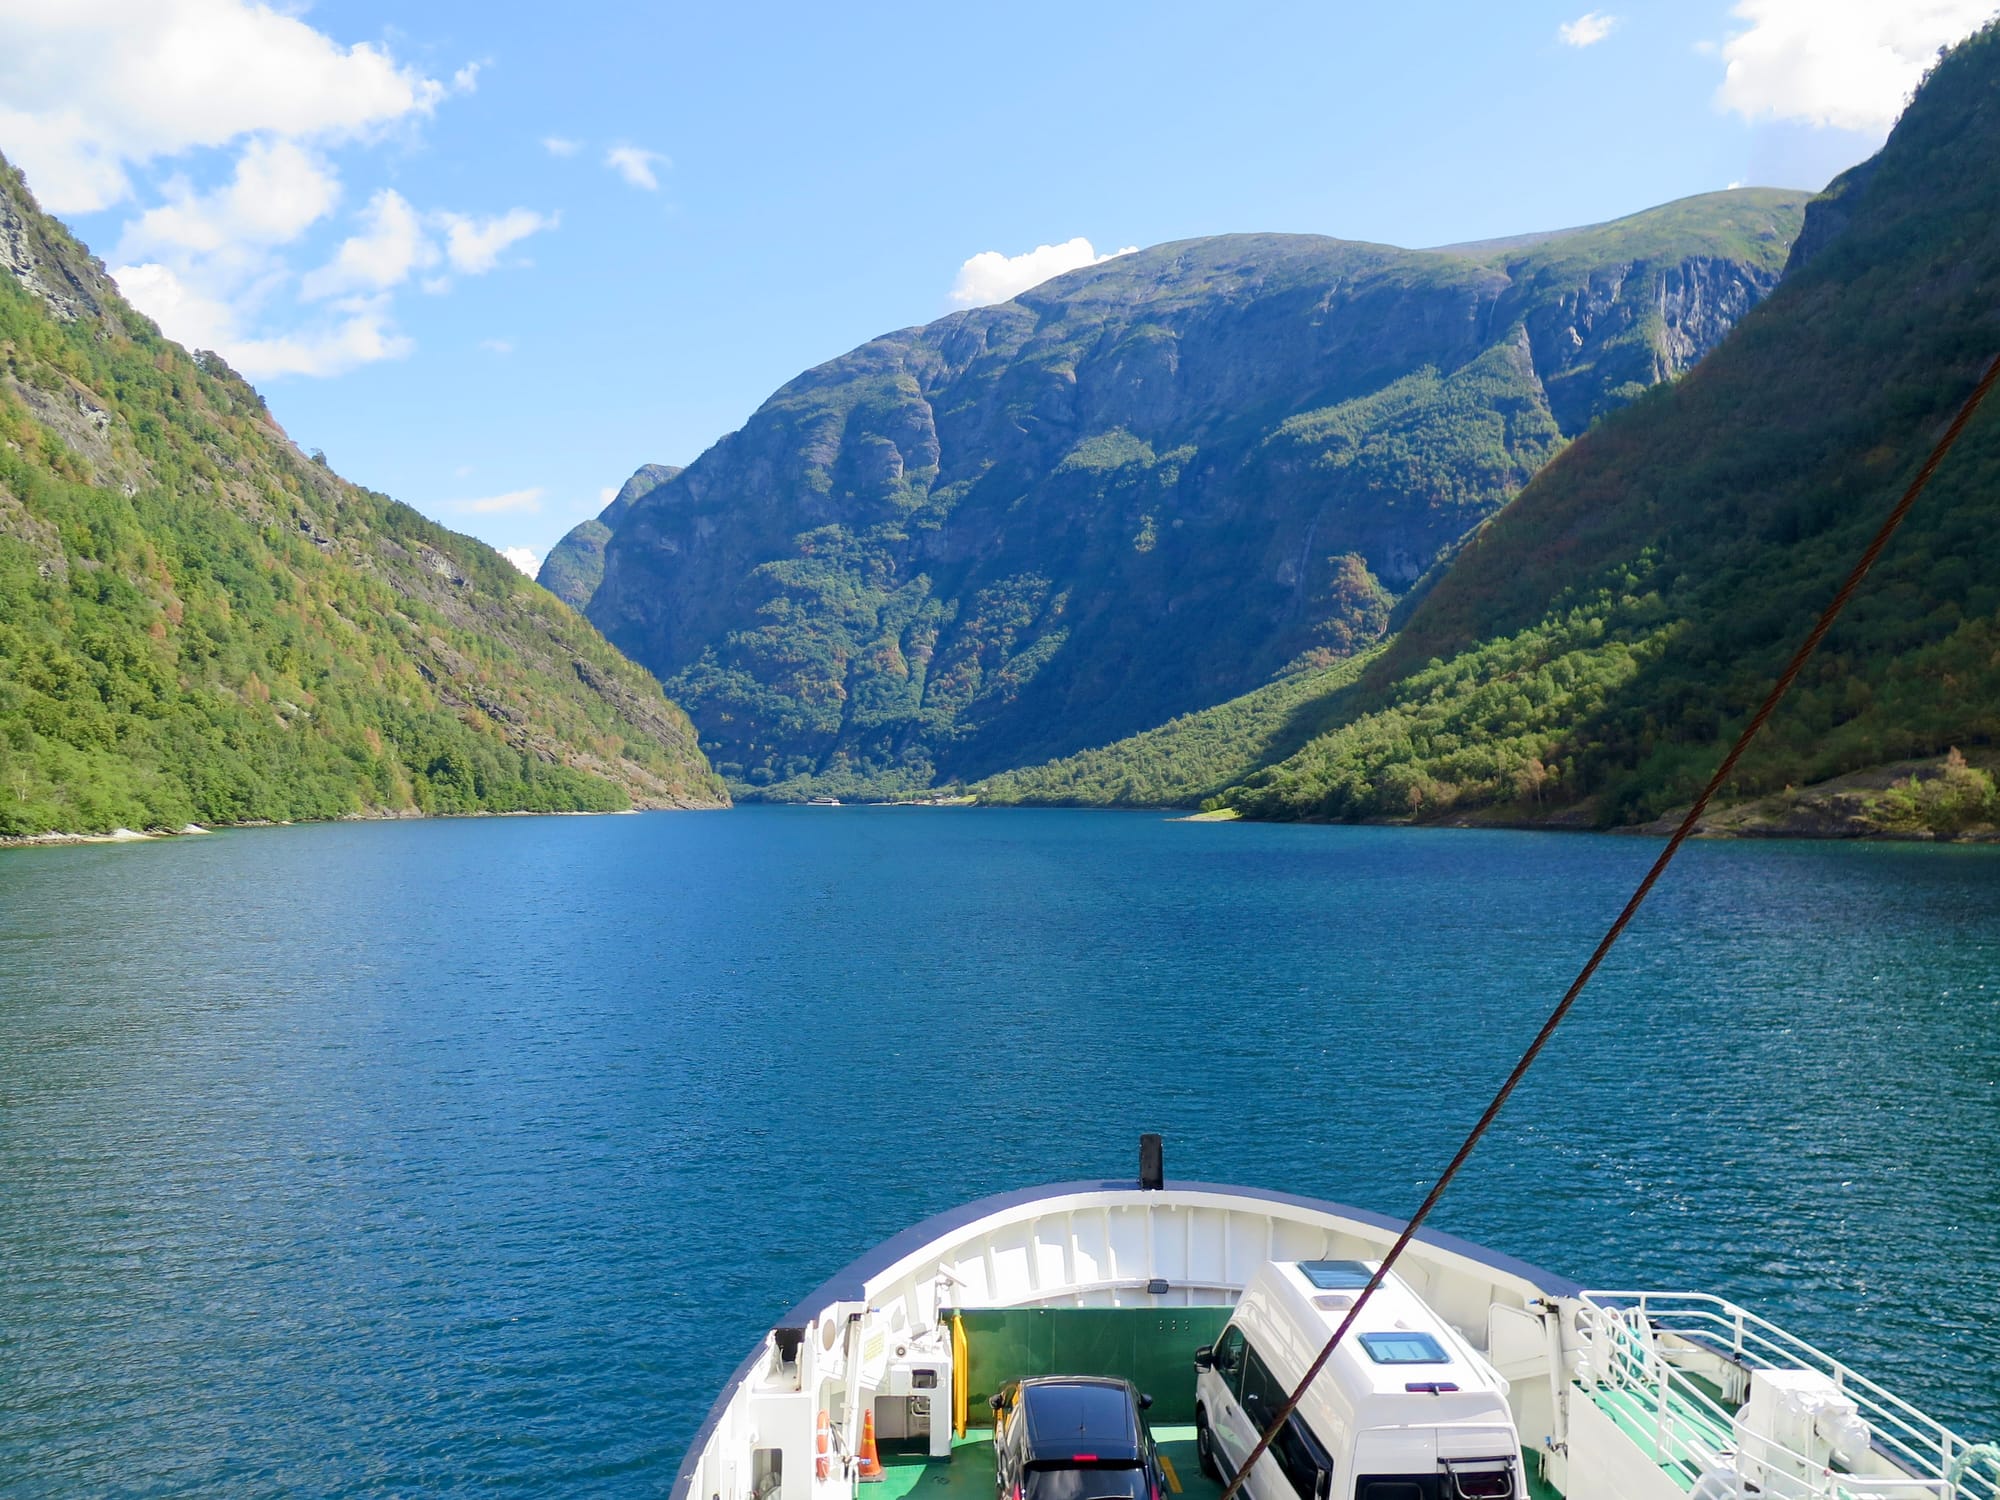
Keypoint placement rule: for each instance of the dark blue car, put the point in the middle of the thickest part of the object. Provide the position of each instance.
(1074, 1437)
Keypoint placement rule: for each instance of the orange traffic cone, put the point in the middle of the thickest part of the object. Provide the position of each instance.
(871, 1466)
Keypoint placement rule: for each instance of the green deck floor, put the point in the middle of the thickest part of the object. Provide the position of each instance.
(968, 1473)
(1636, 1414)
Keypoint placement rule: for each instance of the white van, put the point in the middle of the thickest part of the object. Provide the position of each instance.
(1405, 1410)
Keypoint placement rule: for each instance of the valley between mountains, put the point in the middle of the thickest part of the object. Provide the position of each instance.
(1296, 528)
(1283, 526)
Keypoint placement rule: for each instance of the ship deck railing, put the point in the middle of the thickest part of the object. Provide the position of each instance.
(1647, 1348)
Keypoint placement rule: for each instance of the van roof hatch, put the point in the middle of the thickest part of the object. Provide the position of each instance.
(1336, 1275)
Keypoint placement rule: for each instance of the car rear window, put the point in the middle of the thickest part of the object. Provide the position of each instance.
(1081, 1418)
(1086, 1482)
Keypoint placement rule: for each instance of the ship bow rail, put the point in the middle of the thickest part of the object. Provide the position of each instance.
(1727, 1403)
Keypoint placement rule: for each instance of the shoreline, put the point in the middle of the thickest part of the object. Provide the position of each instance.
(56, 839)
(115, 836)
(1795, 817)
(1854, 807)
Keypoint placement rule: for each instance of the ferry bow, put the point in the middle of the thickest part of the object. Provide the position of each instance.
(1478, 1377)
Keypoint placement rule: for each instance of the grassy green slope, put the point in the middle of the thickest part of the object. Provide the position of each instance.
(1191, 758)
(1594, 645)
(198, 623)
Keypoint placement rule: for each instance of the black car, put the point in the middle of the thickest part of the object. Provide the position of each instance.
(1073, 1437)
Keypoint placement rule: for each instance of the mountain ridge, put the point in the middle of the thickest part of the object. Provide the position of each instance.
(1594, 645)
(1137, 488)
(575, 564)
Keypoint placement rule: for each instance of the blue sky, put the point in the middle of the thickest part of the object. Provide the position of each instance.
(492, 257)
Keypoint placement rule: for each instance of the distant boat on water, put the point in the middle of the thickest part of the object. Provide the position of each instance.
(822, 802)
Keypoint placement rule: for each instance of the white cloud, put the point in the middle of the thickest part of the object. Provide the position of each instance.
(1849, 64)
(94, 87)
(992, 277)
(1587, 30)
(523, 558)
(392, 244)
(183, 313)
(557, 145)
(349, 334)
(606, 495)
(490, 505)
(278, 190)
(396, 242)
(361, 332)
(474, 246)
(635, 165)
(497, 346)
(205, 267)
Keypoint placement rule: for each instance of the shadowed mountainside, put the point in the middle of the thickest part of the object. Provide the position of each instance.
(1140, 488)
(575, 565)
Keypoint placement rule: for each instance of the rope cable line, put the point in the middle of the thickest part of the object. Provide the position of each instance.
(1680, 836)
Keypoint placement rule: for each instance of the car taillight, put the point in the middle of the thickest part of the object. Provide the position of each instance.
(1154, 1486)
(1017, 1490)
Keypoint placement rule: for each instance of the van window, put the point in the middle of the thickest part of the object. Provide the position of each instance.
(1295, 1450)
(1483, 1479)
(1260, 1396)
(1229, 1360)
(1304, 1461)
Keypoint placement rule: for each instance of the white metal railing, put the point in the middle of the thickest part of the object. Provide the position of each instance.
(1633, 1339)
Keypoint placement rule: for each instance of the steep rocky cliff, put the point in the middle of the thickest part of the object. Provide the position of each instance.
(1140, 488)
(199, 623)
(575, 565)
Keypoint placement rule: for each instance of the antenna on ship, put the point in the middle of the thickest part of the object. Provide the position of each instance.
(1152, 1162)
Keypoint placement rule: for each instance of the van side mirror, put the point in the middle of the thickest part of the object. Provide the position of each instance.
(1144, 1401)
(1204, 1358)
(998, 1402)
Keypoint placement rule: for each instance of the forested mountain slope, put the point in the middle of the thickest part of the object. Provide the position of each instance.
(1592, 649)
(1191, 760)
(1140, 488)
(199, 623)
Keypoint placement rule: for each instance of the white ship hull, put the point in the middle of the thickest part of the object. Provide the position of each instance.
(1616, 1396)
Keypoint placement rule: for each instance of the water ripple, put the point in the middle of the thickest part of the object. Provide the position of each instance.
(470, 1156)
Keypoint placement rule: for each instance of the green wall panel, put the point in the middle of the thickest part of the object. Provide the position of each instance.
(1153, 1347)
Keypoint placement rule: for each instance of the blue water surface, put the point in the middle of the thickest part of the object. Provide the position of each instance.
(470, 1156)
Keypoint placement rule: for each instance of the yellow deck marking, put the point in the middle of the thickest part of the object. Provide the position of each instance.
(1173, 1479)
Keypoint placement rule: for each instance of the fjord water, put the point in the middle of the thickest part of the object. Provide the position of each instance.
(472, 1155)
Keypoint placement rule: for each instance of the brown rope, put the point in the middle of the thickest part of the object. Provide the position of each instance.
(1611, 936)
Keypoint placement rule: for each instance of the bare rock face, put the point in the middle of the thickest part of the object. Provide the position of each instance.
(69, 286)
(1141, 488)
